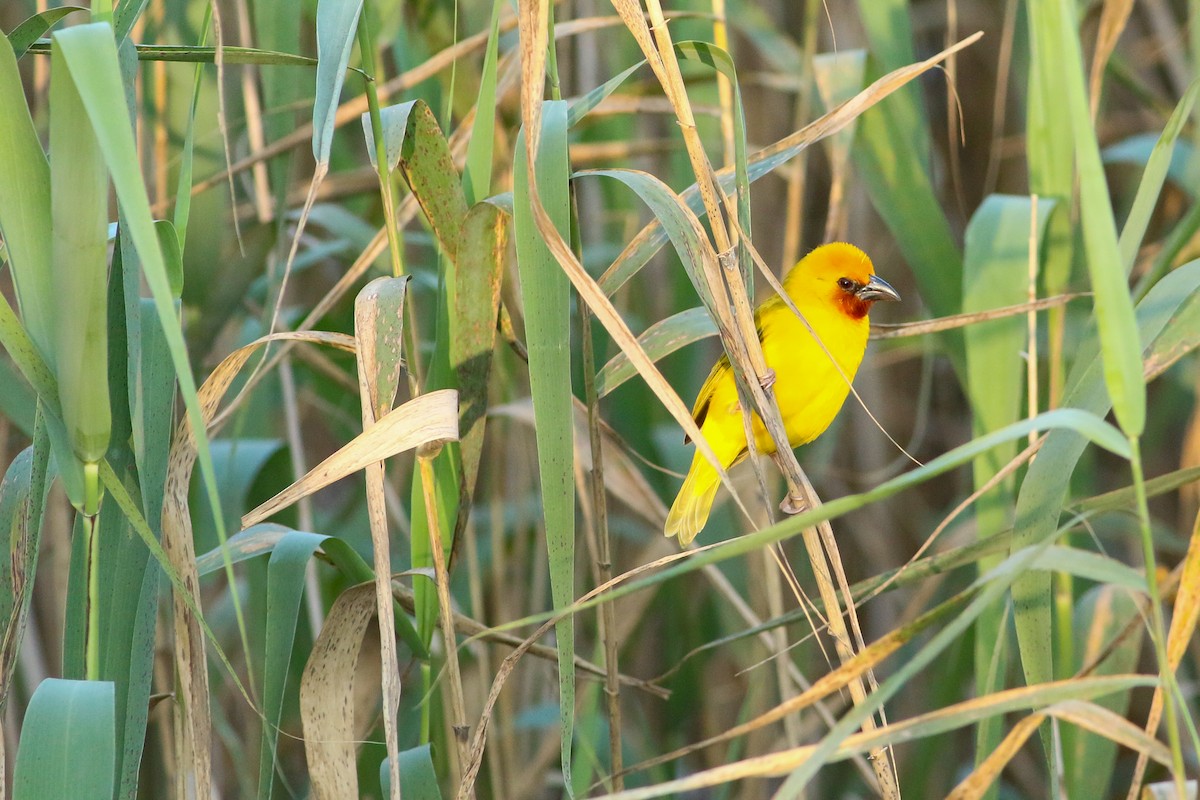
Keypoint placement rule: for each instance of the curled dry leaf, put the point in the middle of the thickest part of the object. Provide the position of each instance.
(432, 417)
(327, 694)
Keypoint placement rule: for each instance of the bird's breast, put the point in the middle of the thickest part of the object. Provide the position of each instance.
(811, 380)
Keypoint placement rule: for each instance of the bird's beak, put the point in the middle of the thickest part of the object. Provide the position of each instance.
(878, 289)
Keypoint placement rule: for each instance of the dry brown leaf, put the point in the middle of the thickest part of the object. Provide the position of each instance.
(327, 695)
(190, 659)
(926, 326)
(432, 417)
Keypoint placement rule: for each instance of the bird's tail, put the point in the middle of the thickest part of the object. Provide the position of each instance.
(690, 510)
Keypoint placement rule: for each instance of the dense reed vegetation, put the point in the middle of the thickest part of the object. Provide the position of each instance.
(324, 318)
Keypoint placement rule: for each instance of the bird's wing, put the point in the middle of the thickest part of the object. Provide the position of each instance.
(720, 370)
(700, 409)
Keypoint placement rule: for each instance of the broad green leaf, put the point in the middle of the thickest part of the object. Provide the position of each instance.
(418, 779)
(277, 29)
(546, 293)
(126, 16)
(996, 273)
(902, 193)
(90, 54)
(25, 217)
(889, 31)
(580, 107)
(128, 597)
(168, 240)
(183, 186)
(337, 25)
(1054, 21)
(481, 256)
(151, 399)
(838, 77)
(79, 268)
(677, 221)
(17, 400)
(892, 156)
(414, 142)
(1043, 491)
(33, 367)
(261, 539)
(659, 340)
(67, 742)
(285, 585)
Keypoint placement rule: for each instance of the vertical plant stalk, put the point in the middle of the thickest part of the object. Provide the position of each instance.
(724, 89)
(386, 192)
(91, 527)
(458, 706)
(366, 51)
(1031, 362)
(1158, 631)
(381, 552)
(608, 614)
(252, 109)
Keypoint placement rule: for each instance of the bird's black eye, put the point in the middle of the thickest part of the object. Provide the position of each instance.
(846, 284)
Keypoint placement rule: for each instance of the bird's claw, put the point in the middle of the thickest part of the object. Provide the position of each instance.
(793, 504)
(768, 379)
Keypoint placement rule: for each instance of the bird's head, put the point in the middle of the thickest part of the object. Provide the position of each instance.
(841, 275)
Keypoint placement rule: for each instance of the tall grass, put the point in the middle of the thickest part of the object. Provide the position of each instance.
(424, 289)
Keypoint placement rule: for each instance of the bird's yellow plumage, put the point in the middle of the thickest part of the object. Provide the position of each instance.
(834, 287)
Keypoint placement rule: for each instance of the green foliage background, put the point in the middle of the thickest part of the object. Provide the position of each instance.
(179, 180)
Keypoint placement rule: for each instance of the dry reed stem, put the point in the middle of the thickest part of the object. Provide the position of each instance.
(900, 330)
(457, 704)
(955, 716)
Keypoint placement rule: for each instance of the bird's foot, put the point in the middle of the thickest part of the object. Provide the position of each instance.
(768, 379)
(793, 504)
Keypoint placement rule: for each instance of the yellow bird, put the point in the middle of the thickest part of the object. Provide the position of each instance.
(834, 287)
